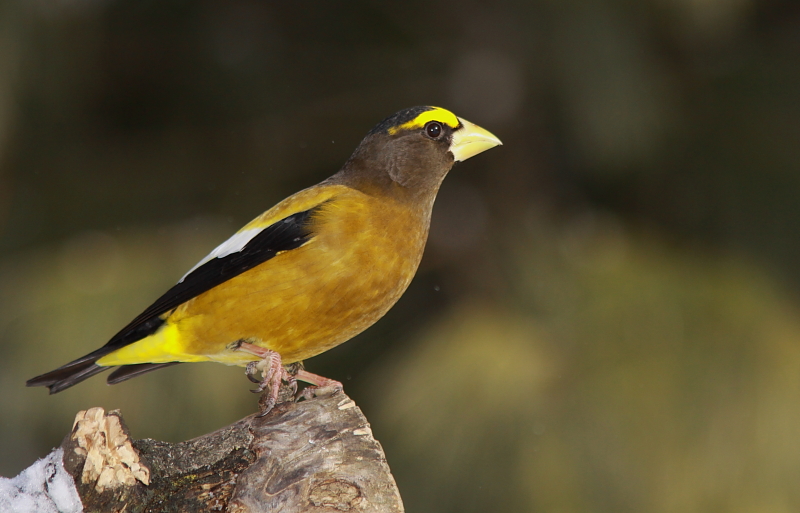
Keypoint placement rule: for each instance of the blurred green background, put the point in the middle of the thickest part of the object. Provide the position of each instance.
(606, 318)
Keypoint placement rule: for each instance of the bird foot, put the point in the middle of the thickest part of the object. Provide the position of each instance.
(322, 386)
(272, 373)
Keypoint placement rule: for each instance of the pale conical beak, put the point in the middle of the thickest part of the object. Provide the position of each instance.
(470, 139)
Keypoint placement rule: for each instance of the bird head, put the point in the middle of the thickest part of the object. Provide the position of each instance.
(416, 147)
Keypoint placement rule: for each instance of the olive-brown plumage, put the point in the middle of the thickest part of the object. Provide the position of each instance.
(310, 273)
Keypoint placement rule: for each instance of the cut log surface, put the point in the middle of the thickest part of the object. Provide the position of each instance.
(310, 456)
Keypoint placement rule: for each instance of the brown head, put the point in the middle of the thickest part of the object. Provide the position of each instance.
(408, 154)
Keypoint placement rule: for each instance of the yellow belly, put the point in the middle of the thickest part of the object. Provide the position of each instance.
(303, 301)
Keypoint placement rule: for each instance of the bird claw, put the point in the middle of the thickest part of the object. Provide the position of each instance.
(322, 386)
(292, 382)
(251, 371)
(272, 372)
(315, 391)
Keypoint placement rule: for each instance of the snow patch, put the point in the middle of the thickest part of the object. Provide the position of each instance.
(44, 487)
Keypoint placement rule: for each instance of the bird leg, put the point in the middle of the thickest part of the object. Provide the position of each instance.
(272, 371)
(322, 385)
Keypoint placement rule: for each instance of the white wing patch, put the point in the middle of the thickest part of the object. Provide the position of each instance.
(235, 244)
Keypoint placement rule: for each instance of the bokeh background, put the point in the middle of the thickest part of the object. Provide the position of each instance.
(607, 315)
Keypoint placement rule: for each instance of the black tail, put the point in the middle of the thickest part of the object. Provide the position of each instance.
(71, 373)
(131, 371)
(85, 367)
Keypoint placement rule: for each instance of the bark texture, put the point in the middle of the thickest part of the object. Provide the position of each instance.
(313, 456)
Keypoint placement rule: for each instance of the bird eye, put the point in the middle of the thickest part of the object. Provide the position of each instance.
(433, 129)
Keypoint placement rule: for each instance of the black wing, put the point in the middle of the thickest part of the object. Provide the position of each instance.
(286, 234)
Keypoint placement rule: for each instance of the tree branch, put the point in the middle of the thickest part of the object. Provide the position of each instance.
(317, 455)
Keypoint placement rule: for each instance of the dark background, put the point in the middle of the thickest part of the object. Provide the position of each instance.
(606, 317)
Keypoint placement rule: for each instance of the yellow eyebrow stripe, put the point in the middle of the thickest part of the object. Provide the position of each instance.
(435, 114)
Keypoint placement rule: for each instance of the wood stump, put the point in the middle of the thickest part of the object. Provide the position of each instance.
(311, 456)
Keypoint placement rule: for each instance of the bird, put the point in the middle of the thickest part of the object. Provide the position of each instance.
(308, 274)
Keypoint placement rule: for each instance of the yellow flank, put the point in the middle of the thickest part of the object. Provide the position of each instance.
(435, 114)
(304, 301)
(160, 347)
